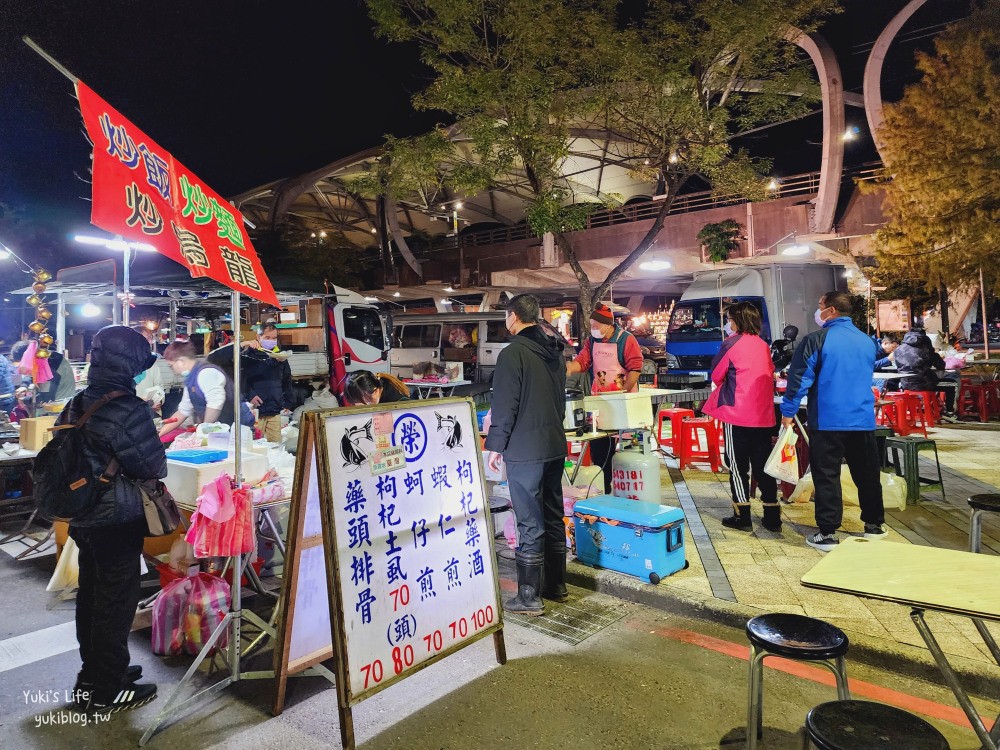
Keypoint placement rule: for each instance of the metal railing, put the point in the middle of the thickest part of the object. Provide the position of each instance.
(799, 184)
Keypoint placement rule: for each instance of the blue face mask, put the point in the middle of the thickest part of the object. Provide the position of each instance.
(140, 377)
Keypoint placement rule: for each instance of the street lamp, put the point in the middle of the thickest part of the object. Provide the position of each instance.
(120, 245)
(461, 254)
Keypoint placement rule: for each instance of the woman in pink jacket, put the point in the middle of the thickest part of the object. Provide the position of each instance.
(743, 401)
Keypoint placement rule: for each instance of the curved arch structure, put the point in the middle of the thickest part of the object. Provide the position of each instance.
(873, 70)
(832, 164)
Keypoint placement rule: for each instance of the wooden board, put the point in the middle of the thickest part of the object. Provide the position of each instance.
(945, 580)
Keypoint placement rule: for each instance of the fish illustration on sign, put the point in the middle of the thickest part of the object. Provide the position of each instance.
(453, 428)
(350, 444)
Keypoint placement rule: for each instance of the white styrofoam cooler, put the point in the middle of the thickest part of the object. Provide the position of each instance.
(184, 480)
(621, 411)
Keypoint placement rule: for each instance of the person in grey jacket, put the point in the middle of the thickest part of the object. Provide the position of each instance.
(529, 396)
(110, 536)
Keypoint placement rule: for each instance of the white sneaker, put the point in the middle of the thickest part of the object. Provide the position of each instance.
(875, 531)
(822, 542)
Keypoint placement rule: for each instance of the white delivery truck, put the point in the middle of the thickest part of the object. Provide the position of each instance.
(786, 293)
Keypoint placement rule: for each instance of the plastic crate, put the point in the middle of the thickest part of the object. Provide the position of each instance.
(198, 455)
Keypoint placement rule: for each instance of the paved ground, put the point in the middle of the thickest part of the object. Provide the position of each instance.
(657, 667)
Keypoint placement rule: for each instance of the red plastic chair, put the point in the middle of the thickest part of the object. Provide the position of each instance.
(973, 396)
(690, 447)
(931, 406)
(674, 415)
(909, 413)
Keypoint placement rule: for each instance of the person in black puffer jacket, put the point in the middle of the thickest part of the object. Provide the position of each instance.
(917, 359)
(110, 536)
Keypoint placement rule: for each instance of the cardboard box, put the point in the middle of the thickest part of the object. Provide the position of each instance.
(314, 312)
(35, 432)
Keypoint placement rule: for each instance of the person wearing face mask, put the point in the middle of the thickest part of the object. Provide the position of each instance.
(612, 351)
(267, 381)
(208, 391)
(743, 400)
(526, 430)
(148, 386)
(833, 367)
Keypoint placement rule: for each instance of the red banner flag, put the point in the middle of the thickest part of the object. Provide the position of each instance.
(142, 193)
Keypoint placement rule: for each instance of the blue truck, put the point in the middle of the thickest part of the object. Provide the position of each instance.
(786, 293)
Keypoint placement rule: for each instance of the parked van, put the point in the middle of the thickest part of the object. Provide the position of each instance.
(474, 339)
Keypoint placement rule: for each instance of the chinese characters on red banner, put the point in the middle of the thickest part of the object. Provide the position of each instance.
(142, 193)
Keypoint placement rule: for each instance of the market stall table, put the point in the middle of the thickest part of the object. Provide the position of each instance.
(986, 368)
(10, 507)
(922, 578)
(587, 437)
(429, 389)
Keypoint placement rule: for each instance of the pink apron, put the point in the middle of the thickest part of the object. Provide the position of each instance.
(608, 372)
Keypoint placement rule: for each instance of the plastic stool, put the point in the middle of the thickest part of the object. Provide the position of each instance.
(980, 504)
(931, 406)
(792, 637)
(675, 415)
(909, 413)
(689, 441)
(911, 445)
(865, 725)
(975, 397)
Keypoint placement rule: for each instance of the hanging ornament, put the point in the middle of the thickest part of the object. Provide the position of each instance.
(34, 300)
(42, 275)
(36, 326)
(43, 354)
(46, 340)
(38, 286)
(43, 313)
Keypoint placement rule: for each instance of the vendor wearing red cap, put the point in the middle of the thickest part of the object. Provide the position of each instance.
(610, 354)
(614, 360)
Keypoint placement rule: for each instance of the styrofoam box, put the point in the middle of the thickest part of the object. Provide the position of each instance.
(185, 480)
(621, 411)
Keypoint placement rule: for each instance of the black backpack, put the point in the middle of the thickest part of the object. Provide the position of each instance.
(63, 476)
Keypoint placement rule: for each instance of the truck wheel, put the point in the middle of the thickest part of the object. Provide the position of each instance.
(654, 579)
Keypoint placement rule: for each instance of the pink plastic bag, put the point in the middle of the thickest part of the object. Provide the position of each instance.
(222, 526)
(169, 611)
(207, 605)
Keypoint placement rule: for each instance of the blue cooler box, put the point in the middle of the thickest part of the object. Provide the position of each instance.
(645, 540)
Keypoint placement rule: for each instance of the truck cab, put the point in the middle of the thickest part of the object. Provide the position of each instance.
(784, 292)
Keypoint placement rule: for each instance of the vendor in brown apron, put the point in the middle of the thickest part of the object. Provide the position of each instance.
(614, 360)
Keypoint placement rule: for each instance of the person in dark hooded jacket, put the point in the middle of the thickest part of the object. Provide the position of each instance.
(917, 359)
(529, 396)
(110, 536)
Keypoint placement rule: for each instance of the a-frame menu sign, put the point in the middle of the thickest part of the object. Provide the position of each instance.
(389, 562)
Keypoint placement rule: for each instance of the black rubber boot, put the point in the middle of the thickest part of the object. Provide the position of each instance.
(772, 517)
(529, 583)
(740, 520)
(554, 583)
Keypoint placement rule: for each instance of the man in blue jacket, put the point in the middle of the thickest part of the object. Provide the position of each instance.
(833, 367)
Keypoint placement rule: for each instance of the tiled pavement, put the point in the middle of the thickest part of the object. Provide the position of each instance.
(737, 574)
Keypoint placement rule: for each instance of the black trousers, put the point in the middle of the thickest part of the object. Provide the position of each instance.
(536, 496)
(106, 600)
(827, 449)
(602, 452)
(747, 449)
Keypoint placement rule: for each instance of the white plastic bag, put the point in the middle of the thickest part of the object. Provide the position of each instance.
(893, 490)
(804, 489)
(783, 463)
(67, 572)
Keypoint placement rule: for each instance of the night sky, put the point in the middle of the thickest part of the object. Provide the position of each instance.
(248, 92)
